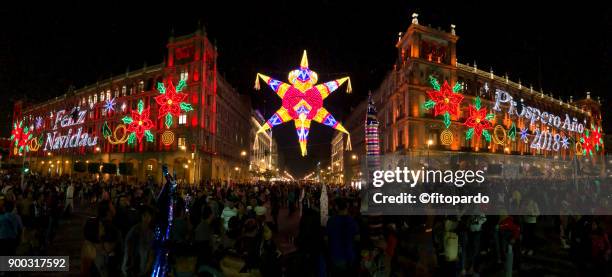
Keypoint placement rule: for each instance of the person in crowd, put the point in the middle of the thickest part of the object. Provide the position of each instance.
(139, 256)
(342, 233)
(228, 213)
(10, 227)
(532, 212)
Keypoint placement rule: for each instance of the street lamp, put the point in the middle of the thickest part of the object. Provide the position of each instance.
(243, 153)
(354, 157)
(429, 143)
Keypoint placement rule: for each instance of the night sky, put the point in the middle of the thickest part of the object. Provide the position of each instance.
(44, 50)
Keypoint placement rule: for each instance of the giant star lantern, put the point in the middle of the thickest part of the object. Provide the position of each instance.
(478, 121)
(139, 124)
(170, 101)
(444, 100)
(302, 101)
(21, 136)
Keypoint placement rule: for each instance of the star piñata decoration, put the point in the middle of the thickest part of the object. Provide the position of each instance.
(302, 102)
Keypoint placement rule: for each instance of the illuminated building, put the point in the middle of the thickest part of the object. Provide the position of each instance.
(419, 114)
(189, 118)
(264, 152)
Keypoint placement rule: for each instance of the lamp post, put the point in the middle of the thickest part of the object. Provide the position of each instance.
(506, 151)
(243, 155)
(429, 143)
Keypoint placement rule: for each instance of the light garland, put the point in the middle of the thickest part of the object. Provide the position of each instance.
(167, 138)
(497, 138)
(579, 152)
(35, 144)
(512, 132)
(446, 137)
(112, 137)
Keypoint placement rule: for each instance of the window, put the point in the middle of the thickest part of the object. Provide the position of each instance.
(89, 100)
(116, 94)
(181, 142)
(182, 119)
(149, 167)
(184, 74)
(123, 91)
(101, 96)
(141, 86)
(108, 94)
(95, 98)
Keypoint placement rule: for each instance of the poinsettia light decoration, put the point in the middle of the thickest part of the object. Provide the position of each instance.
(171, 101)
(444, 100)
(478, 121)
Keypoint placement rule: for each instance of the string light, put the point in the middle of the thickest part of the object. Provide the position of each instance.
(35, 144)
(114, 139)
(499, 135)
(167, 138)
(446, 137)
(579, 148)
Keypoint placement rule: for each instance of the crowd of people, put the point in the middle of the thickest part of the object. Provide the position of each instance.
(223, 229)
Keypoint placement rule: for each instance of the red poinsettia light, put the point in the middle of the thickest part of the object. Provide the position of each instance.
(21, 136)
(478, 121)
(444, 99)
(587, 143)
(596, 138)
(139, 124)
(170, 101)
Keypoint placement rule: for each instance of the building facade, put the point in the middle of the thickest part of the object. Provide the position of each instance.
(201, 139)
(264, 152)
(524, 122)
